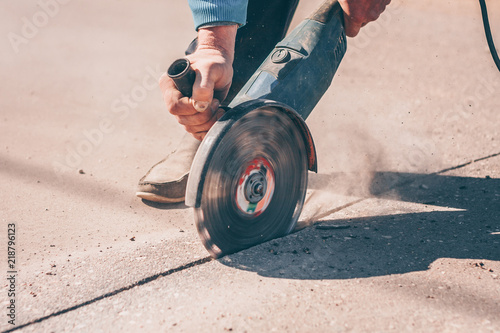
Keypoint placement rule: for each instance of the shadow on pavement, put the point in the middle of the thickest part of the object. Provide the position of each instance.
(465, 225)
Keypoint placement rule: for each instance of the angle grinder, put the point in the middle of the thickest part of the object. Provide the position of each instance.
(248, 180)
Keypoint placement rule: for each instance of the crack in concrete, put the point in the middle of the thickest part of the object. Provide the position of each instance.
(115, 292)
(314, 220)
(466, 163)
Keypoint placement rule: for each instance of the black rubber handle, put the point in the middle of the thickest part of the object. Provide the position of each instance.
(183, 75)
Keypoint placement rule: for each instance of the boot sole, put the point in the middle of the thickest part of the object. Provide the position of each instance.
(157, 198)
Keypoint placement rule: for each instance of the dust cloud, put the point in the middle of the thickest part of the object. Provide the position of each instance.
(363, 159)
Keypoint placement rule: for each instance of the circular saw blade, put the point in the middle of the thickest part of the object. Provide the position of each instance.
(255, 184)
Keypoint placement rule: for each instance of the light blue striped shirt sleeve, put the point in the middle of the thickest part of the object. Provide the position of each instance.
(210, 12)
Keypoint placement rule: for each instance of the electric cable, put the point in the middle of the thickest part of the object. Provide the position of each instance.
(487, 31)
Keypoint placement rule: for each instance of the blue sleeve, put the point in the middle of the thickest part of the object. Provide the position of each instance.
(213, 11)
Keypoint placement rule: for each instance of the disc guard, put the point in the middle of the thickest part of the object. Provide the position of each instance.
(255, 183)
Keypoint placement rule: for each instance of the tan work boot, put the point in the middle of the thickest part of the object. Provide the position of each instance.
(166, 181)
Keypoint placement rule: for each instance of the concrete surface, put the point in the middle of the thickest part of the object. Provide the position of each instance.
(402, 223)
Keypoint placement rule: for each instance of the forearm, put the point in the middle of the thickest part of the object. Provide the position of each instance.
(213, 11)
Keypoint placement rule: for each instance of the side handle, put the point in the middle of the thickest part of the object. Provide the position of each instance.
(183, 75)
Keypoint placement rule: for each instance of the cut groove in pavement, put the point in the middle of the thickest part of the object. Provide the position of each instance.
(209, 259)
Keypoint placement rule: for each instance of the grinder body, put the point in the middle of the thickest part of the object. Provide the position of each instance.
(301, 67)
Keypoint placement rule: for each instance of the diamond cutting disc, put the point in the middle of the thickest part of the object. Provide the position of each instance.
(255, 183)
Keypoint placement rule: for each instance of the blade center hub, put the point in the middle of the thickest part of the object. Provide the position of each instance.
(255, 187)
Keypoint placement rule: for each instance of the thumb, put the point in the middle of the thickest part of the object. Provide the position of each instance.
(203, 91)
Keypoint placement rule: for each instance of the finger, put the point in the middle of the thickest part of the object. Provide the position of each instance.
(374, 13)
(199, 136)
(219, 114)
(166, 83)
(200, 128)
(215, 105)
(203, 90)
(176, 103)
(200, 117)
(352, 26)
(221, 94)
(168, 89)
(179, 107)
(197, 119)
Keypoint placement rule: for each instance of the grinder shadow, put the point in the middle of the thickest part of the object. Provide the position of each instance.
(389, 244)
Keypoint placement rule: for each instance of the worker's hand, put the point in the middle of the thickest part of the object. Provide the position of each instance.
(357, 13)
(212, 61)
